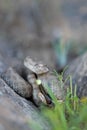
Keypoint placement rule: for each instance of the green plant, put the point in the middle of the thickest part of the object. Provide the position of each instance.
(63, 111)
(69, 114)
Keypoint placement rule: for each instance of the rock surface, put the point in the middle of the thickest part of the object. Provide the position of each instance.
(78, 71)
(17, 113)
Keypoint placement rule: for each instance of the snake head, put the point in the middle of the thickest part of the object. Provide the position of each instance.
(48, 80)
(37, 68)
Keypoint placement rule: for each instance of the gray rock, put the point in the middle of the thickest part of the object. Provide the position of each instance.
(3, 64)
(78, 71)
(16, 113)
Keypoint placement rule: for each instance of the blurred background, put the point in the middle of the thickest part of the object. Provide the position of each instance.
(53, 31)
